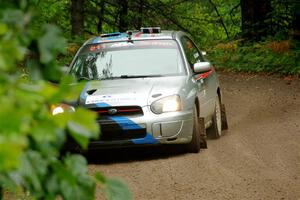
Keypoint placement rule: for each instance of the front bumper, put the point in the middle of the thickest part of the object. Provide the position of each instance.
(148, 129)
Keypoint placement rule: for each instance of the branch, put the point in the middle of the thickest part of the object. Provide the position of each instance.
(220, 18)
(178, 2)
(235, 7)
(89, 32)
(111, 3)
(195, 19)
(231, 12)
(158, 10)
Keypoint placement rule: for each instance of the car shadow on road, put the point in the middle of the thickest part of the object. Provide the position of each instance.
(123, 155)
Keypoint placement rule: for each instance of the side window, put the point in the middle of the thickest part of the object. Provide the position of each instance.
(192, 53)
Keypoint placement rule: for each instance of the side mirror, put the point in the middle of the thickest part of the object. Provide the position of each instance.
(202, 67)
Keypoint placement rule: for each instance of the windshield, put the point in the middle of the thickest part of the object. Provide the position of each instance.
(126, 60)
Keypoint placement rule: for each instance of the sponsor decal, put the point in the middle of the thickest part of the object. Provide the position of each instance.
(138, 34)
(108, 99)
(121, 44)
(205, 75)
(96, 47)
(196, 55)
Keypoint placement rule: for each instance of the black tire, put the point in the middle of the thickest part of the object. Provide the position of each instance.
(224, 118)
(198, 138)
(203, 143)
(215, 130)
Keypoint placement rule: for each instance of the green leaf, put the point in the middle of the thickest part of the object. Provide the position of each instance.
(100, 178)
(33, 170)
(73, 179)
(11, 150)
(77, 163)
(50, 43)
(82, 126)
(68, 90)
(115, 189)
(3, 29)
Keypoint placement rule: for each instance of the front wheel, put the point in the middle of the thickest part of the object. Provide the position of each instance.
(215, 130)
(198, 137)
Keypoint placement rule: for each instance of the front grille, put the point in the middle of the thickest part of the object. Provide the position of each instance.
(119, 111)
(108, 133)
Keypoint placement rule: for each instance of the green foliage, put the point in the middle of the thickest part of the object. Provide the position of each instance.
(274, 57)
(198, 18)
(54, 12)
(282, 18)
(113, 188)
(30, 137)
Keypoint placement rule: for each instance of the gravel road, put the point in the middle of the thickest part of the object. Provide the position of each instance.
(257, 158)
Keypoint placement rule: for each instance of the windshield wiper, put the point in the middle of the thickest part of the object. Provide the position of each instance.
(83, 78)
(129, 76)
(139, 76)
(93, 79)
(110, 78)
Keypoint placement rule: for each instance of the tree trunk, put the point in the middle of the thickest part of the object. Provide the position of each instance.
(77, 17)
(255, 18)
(296, 21)
(123, 15)
(100, 16)
(139, 23)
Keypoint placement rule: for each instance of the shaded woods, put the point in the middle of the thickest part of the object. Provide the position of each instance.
(243, 35)
(251, 19)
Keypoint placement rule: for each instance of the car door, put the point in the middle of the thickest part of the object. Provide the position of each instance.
(193, 55)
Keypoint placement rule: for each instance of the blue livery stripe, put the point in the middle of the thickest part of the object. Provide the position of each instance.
(149, 139)
(127, 124)
(83, 94)
(102, 105)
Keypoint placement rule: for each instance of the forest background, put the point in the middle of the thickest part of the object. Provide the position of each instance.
(243, 35)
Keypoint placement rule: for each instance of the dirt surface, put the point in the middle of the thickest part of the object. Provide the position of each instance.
(257, 158)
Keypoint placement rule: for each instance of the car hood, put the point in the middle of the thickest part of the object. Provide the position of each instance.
(130, 92)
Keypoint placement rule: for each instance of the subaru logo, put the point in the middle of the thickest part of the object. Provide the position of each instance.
(112, 111)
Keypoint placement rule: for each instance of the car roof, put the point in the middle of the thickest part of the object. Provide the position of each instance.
(134, 36)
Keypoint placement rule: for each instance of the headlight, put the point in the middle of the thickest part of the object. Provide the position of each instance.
(166, 104)
(60, 108)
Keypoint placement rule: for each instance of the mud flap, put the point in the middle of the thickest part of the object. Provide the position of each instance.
(224, 118)
(203, 143)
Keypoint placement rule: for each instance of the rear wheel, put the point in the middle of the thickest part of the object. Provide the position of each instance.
(198, 138)
(215, 130)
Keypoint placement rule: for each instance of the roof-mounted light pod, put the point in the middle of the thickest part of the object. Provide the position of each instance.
(150, 30)
(129, 33)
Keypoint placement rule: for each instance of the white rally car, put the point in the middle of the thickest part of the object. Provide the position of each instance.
(150, 87)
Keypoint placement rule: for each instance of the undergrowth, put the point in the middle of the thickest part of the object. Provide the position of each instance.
(281, 57)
